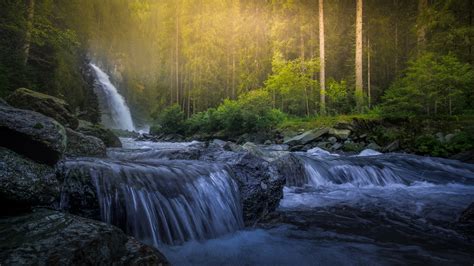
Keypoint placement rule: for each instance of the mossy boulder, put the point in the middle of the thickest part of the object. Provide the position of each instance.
(44, 104)
(32, 134)
(47, 237)
(24, 183)
(79, 144)
(106, 135)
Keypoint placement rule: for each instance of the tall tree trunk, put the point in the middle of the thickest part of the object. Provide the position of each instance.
(322, 58)
(369, 92)
(302, 56)
(422, 6)
(29, 28)
(177, 53)
(359, 86)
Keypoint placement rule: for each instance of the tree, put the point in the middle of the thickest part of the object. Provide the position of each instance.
(30, 11)
(322, 58)
(421, 27)
(359, 87)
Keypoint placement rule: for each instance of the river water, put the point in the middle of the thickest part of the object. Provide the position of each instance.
(372, 209)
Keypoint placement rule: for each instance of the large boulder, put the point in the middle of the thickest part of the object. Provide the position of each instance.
(32, 134)
(44, 104)
(291, 168)
(342, 134)
(260, 186)
(307, 137)
(24, 183)
(47, 237)
(106, 135)
(79, 144)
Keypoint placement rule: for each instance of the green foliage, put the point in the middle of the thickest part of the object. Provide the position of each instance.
(252, 112)
(432, 85)
(292, 83)
(170, 121)
(430, 145)
(339, 98)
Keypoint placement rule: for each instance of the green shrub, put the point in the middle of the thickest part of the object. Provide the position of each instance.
(170, 121)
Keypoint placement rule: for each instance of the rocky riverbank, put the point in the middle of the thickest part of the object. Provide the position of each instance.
(32, 232)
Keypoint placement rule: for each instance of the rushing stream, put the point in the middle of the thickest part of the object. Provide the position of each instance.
(371, 209)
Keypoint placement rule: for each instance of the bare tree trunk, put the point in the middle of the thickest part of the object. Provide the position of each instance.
(322, 58)
(177, 53)
(29, 28)
(369, 92)
(422, 6)
(359, 87)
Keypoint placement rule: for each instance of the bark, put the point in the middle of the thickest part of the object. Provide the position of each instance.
(29, 28)
(358, 60)
(422, 6)
(322, 57)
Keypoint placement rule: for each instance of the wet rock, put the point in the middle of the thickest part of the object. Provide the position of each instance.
(32, 134)
(44, 104)
(342, 134)
(253, 149)
(467, 216)
(344, 125)
(467, 156)
(332, 140)
(260, 185)
(47, 237)
(337, 146)
(353, 147)
(291, 169)
(373, 146)
(268, 142)
(106, 135)
(307, 137)
(25, 183)
(79, 144)
(392, 147)
(324, 145)
(3, 102)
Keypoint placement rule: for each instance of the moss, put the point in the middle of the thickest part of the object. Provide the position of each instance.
(38, 126)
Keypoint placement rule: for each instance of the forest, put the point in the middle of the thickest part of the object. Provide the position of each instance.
(236, 132)
(300, 58)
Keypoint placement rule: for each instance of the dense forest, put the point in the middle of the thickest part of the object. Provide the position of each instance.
(297, 58)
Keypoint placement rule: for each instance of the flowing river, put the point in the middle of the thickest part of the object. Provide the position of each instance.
(383, 209)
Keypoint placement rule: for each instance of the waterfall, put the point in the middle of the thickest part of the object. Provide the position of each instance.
(380, 170)
(114, 109)
(162, 201)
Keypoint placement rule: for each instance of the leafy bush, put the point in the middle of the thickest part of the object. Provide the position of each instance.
(430, 145)
(251, 113)
(432, 85)
(170, 121)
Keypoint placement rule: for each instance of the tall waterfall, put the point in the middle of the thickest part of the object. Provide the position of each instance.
(115, 112)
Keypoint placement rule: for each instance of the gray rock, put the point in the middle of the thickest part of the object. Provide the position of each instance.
(467, 216)
(278, 147)
(440, 137)
(332, 140)
(24, 183)
(47, 237)
(98, 131)
(3, 102)
(392, 147)
(449, 137)
(79, 144)
(260, 184)
(337, 146)
(307, 137)
(268, 142)
(373, 146)
(44, 104)
(32, 134)
(342, 134)
(324, 145)
(253, 149)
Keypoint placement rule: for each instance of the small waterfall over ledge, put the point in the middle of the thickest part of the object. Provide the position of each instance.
(380, 170)
(161, 201)
(115, 112)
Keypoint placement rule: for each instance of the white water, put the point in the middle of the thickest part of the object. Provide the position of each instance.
(115, 112)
